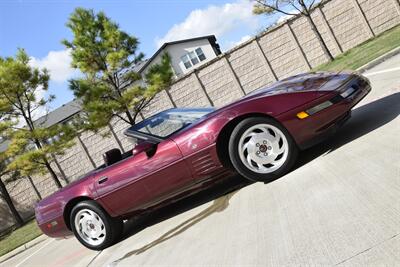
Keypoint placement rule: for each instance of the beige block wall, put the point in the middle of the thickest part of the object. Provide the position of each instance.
(74, 162)
(219, 82)
(159, 103)
(119, 127)
(250, 67)
(345, 23)
(324, 28)
(24, 199)
(195, 97)
(6, 218)
(282, 53)
(224, 79)
(308, 41)
(381, 14)
(98, 143)
(45, 183)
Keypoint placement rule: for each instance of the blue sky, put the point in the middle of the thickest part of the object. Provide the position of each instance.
(39, 26)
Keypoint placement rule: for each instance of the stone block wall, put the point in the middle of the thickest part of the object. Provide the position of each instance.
(251, 67)
(74, 162)
(346, 23)
(381, 14)
(286, 49)
(195, 97)
(282, 52)
(219, 82)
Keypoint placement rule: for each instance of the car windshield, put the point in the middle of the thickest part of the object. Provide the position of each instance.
(168, 122)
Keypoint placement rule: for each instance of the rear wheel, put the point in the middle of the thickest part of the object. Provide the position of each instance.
(261, 149)
(93, 227)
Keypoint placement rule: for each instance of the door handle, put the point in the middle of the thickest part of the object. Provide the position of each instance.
(102, 179)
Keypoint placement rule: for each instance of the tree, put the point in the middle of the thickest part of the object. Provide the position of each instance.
(6, 196)
(3, 189)
(107, 56)
(302, 7)
(31, 144)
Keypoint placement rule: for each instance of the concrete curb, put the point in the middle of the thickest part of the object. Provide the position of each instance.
(22, 248)
(379, 60)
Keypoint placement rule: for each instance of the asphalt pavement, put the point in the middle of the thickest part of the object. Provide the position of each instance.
(340, 206)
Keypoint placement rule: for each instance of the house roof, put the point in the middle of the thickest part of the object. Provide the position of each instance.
(56, 116)
(211, 39)
(60, 114)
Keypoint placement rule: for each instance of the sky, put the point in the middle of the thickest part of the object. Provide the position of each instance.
(38, 26)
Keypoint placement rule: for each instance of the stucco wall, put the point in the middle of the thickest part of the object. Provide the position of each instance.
(282, 51)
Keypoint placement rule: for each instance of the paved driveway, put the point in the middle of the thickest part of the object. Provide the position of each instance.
(340, 206)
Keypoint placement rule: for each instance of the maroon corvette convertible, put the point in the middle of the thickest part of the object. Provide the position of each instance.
(183, 151)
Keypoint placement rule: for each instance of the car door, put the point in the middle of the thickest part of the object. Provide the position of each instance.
(139, 180)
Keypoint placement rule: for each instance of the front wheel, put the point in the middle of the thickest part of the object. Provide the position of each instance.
(261, 149)
(93, 227)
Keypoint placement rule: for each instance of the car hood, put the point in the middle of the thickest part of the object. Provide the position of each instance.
(305, 82)
(314, 81)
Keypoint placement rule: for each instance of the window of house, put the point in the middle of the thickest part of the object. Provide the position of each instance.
(186, 61)
(200, 54)
(192, 58)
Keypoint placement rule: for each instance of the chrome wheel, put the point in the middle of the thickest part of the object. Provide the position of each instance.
(90, 227)
(263, 148)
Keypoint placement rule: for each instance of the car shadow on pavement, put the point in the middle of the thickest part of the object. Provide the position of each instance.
(218, 205)
(364, 119)
(220, 194)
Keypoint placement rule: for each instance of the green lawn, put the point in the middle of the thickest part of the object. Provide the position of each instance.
(19, 237)
(365, 52)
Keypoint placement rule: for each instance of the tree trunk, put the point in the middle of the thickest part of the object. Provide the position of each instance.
(130, 118)
(53, 174)
(10, 204)
(34, 188)
(319, 37)
(48, 166)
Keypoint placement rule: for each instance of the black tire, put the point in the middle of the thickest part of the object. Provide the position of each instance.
(246, 172)
(113, 226)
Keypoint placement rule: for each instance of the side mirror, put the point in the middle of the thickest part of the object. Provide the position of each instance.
(144, 146)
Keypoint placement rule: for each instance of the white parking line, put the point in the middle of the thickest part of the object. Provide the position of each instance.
(382, 71)
(27, 258)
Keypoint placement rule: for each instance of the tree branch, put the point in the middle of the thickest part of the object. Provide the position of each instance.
(275, 8)
(122, 118)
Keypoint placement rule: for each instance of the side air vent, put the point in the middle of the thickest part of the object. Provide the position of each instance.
(203, 164)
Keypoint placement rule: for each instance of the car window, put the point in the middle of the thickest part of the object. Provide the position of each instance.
(166, 123)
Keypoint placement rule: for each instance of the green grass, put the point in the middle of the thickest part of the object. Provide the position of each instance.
(19, 237)
(365, 52)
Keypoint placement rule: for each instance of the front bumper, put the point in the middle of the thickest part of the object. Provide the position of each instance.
(55, 228)
(322, 124)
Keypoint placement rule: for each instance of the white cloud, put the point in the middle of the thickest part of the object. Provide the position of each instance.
(232, 44)
(58, 63)
(42, 110)
(243, 39)
(284, 18)
(218, 20)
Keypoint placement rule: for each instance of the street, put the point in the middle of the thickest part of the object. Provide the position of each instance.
(340, 206)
